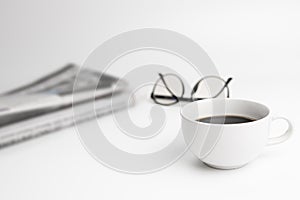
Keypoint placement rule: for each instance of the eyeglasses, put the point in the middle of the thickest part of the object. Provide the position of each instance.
(169, 89)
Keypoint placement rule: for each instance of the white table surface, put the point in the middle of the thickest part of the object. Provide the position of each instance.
(255, 42)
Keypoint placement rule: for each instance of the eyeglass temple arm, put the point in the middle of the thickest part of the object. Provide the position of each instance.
(225, 86)
(153, 96)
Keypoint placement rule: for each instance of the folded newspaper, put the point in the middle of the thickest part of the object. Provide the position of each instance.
(47, 104)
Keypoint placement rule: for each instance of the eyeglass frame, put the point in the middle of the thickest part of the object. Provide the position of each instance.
(194, 90)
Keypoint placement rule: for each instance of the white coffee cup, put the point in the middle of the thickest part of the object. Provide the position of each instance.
(229, 146)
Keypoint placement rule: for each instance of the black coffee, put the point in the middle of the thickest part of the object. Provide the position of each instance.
(225, 119)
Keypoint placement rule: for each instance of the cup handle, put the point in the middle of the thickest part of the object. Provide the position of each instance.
(287, 134)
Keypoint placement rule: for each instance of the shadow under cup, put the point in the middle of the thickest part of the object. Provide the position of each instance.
(225, 146)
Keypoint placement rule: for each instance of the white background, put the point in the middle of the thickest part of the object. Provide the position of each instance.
(256, 42)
